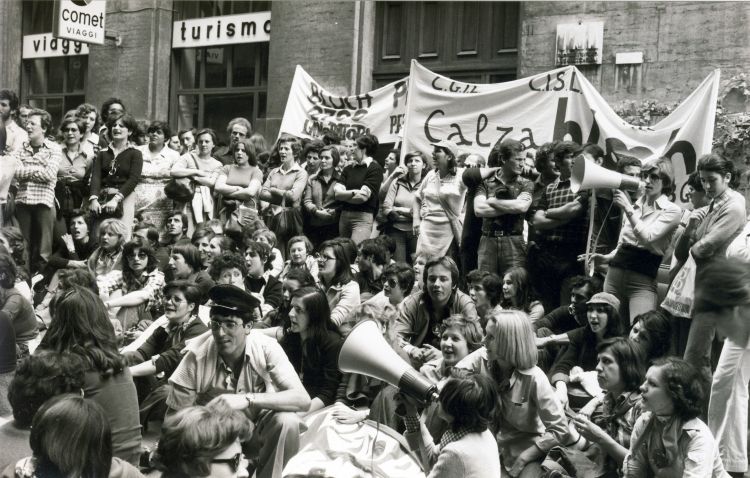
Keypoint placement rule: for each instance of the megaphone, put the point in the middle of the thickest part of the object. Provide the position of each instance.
(588, 175)
(366, 352)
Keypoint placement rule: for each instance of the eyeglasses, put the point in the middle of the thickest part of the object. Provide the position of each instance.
(392, 283)
(324, 259)
(234, 462)
(226, 326)
(652, 177)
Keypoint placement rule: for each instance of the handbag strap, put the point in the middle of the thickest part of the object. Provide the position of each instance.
(448, 212)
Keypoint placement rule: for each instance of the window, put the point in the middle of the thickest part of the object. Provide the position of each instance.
(213, 85)
(471, 41)
(54, 84)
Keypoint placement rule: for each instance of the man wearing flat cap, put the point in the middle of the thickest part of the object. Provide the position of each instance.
(247, 371)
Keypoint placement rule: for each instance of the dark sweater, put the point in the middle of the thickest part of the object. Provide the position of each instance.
(168, 346)
(558, 321)
(580, 351)
(273, 294)
(320, 377)
(127, 173)
(7, 344)
(61, 255)
(355, 176)
(21, 314)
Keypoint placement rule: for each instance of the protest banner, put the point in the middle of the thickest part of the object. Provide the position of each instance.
(311, 110)
(558, 105)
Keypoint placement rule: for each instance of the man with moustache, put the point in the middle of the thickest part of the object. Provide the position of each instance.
(247, 371)
(502, 200)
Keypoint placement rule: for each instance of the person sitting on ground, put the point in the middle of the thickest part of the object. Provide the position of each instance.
(488, 295)
(176, 229)
(652, 331)
(259, 280)
(267, 236)
(474, 283)
(669, 439)
(312, 343)
(422, 314)
(517, 294)
(569, 317)
(185, 264)
(75, 247)
(38, 378)
(149, 234)
(296, 279)
(247, 371)
(398, 283)
(107, 257)
(70, 436)
(300, 254)
(161, 352)
(203, 441)
(458, 339)
(372, 259)
(16, 308)
(337, 280)
(469, 448)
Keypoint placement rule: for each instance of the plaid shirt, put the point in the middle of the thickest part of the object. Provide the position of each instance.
(154, 285)
(575, 232)
(36, 173)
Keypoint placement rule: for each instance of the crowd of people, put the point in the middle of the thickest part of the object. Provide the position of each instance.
(158, 279)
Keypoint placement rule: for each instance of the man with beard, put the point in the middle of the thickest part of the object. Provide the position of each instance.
(246, 371)
(238, 128)
(12, 136)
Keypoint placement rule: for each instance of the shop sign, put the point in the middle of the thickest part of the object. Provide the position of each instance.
(224, 30)
(45, 45)
(80, 20)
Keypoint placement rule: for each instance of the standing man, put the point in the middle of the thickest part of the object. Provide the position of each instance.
(503, 200)
(247, 371)
(14, 135)
(561, 232)
(36, 175)
(238, 128)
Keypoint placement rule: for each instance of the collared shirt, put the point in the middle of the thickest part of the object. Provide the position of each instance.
(494, 187)
(293, 179)
(74, 166)
(202, 375)
(740, 247)
(725, 218)
(154, 284)
(36, 173)
(158, 164)
(319, 194)
(617, 418)
(16, 137)
(574, 232)
(655, 227)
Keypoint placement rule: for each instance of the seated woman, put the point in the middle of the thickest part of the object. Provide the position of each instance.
(65, 424)
(458, 339)
(160, 354)
(267, 236)
(531, 420)
(488, 293)
(107, 257)
(71, 250)
(517, 294)
(337, 280)
(259, 280)
(300, 256)
(17, 309)
(469, 448)
(203, 441)
(134, 293)
(312, 343)
(423, 313)
(81, 328)
(669, 439)
(185, 264)
(652, 331)
(296, 279)
(604, 323)
(609, 424)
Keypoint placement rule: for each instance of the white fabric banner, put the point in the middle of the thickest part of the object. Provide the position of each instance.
(311, 110)
(558, 105)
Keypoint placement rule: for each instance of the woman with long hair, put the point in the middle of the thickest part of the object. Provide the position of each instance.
(71, 437)
(607, 429)
(652, 331)
(531, 421)
(337, 280)
(669, 439)
(728, 308)
(516, 294)
(204, 441)
(200, 167)
(320, 204)
(398, 203)
(113, 234)
(134, 293)
(80, 326)
(16, 308)
(312, 343)
(239, 185)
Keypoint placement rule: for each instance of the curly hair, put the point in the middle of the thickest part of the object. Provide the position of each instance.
(193, 436)
(227, 260)
(130, 279)
(40, 377)
(685, 385)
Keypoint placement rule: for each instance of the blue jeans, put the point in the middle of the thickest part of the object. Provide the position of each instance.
(636, 291)
(356, 225)
(498, 254)
(406, 244)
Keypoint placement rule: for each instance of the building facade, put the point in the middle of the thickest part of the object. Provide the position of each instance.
(168, 59)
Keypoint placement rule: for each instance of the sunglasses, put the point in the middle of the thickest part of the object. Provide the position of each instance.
(392, 283)
(234, 462)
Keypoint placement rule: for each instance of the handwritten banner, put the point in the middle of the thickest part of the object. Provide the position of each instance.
(311, 110)
(558, 105)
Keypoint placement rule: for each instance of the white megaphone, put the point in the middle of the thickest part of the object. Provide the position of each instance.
(366, 352)
(588, 175)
